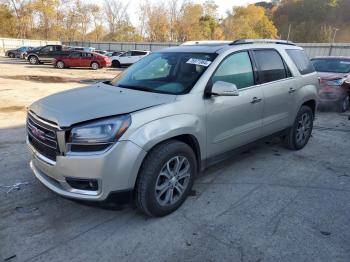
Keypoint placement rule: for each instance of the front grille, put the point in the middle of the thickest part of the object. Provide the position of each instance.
(42, 137)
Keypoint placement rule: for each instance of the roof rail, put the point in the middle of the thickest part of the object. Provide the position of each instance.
(261, 41)
(206, 42)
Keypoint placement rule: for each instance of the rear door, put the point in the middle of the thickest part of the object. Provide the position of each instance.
(125, 59)
(278, 86)
(233, 121)
(86, 59)
(137, 55)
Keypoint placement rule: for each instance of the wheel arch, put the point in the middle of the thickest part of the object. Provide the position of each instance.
(312, 104)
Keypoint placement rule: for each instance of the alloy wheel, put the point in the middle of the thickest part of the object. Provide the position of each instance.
(33, 60)
(94, 66)
(60, 65)
(303, 129)
(173, 181)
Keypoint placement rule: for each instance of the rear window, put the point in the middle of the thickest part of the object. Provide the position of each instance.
(301, 61)
(136, 53)
(271, 66)
(331, 65)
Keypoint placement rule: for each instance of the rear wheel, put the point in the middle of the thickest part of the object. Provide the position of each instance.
(165, 178)
(344, 104)
(33, 60)
(60, 64)
(300, 133)
(95, 65)
(116, 63)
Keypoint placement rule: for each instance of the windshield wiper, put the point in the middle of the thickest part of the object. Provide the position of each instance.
(140, 88)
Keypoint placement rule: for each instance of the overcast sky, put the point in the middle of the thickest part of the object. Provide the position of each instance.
(223, 5)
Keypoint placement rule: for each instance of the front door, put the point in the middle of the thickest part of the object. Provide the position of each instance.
(44, 53)
(233, 121)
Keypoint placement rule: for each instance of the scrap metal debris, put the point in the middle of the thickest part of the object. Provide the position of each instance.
(16, 186)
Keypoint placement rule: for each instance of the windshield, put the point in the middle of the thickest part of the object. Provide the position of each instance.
(170, 73)
(332, 65)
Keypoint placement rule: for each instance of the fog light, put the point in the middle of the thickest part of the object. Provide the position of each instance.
(82, 184)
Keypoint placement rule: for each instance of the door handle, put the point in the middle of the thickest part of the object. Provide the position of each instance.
(292, 90)
(255, 100)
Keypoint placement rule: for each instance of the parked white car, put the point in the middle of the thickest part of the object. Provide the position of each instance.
(128, 58)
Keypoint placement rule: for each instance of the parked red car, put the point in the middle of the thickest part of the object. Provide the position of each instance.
(82, 59)
(334, 75)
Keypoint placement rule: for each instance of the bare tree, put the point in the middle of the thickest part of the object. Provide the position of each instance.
(116, 13)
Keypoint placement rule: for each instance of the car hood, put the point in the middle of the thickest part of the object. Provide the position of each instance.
(93, 102)
(330, 76)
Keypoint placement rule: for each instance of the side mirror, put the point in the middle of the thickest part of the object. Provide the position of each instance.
(221, 88)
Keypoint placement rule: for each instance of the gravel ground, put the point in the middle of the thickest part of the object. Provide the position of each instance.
(266, 204)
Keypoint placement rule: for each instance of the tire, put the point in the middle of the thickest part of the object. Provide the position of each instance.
(11, 55)
(33, 60)
(116, 64)
(159, 191)
(299, 134)
(95, 65)
(344, 104)
(60, 64)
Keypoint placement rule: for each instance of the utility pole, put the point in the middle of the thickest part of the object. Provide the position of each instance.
(289, 30)
(335, 34)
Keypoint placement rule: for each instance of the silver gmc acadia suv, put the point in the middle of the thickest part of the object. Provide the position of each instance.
(149, 131)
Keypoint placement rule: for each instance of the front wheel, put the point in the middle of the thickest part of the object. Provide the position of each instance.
(11, 55)
(165, 179)
(299, 134)
(33, 60)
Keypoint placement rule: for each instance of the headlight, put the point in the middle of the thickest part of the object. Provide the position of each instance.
(98, 135)
(336, 82)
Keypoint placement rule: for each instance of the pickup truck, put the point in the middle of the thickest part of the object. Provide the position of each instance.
(47, 54)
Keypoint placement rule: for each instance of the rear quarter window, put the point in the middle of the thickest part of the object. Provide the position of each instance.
(301, 61)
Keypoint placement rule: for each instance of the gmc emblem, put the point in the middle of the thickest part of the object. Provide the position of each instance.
(37, 132)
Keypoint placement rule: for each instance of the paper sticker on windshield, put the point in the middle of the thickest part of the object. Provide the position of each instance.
(196, 61)
(345, 62)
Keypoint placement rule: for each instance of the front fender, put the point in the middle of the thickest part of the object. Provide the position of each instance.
(154, 132)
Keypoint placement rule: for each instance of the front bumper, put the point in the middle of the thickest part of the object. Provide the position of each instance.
(115, 170)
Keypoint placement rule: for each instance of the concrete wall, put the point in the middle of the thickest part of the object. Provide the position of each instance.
(312, 49)
(11, 43)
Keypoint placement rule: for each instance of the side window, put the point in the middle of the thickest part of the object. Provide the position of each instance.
(75, 55)
(271, 66)
(47, 49)
(236, 69)
(301, 61)
(126, 54)
(137, 53)
(87, 55)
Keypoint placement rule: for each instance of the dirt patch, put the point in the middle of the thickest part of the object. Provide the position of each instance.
(54, 79)
(43, 79)
(9, 109)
